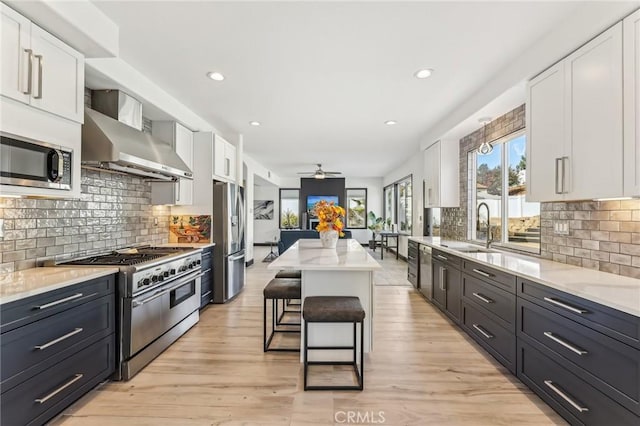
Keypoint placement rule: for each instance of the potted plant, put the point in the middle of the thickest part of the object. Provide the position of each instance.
(375, 225)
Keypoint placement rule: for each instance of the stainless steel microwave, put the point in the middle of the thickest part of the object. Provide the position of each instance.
(26, 162)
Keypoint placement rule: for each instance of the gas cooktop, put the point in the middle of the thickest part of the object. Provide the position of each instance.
(128, 257)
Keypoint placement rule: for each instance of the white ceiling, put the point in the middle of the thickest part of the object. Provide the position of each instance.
(323, 77)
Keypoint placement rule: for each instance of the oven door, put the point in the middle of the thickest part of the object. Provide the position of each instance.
(25, 162)
(154, 313)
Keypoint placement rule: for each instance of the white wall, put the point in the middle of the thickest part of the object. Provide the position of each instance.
(413, 166)
(264, 231)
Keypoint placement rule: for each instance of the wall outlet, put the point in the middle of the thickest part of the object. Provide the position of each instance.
(155, 221)
(561, 228)
(1, 228)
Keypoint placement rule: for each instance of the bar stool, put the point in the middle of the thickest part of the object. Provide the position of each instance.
(279, 289)
(334, 309)
(290, 273)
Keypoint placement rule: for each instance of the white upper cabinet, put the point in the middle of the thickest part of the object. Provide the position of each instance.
(574, 124)
(224, 160)
(441, 175)
(40, 70)
(631, 73)
(178, 193)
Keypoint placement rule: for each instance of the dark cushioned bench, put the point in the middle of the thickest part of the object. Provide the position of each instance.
(290, 236)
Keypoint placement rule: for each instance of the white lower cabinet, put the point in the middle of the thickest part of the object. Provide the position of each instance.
(574, 124)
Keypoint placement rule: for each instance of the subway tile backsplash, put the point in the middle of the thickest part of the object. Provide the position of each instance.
(601, 235)
(114, 211)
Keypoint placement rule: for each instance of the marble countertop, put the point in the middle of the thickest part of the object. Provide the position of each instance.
(30, 282)
(193, 245)
(308, 255)
(614, 291)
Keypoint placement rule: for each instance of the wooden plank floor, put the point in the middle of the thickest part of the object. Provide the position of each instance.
(423, 371)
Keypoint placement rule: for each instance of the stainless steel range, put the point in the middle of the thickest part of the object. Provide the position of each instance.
(159, 297)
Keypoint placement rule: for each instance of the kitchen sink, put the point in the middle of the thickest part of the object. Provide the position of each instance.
(470, 249)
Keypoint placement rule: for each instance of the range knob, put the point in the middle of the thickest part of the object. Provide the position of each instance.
(154, 278)
(190, 266)
(182, 268)
(165, 274)
(172, 272)
(198, 262)
(146, 281)
(161, 278)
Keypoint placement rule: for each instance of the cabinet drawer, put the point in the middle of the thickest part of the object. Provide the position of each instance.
(495, 300)
(207, 258)
(498, 341)
(609, 365)
(43, 396)
(447, 258)
(501, 279)
(21, 312)
(619, 325)
(567, 393)
(25, 348)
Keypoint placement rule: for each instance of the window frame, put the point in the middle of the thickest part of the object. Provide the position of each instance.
(504, 210)
(395, 187)
(280, 207)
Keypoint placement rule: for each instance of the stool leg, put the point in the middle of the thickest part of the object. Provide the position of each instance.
(304, 359)
(361, 355)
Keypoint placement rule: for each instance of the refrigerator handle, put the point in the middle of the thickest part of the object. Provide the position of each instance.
(241, 214)
(238, 257)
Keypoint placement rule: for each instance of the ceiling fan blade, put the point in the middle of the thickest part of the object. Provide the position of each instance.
(332, 173)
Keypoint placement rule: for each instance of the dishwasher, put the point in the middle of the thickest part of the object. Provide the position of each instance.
(425, 283)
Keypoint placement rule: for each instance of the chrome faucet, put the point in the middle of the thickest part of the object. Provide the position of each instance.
(489, 234)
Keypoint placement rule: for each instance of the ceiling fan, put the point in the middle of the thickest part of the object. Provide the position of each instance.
(319, 173)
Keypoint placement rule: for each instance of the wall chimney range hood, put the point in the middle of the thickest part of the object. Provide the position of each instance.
(112, 139)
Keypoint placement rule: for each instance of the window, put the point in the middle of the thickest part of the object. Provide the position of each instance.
(498, 182)
(356, 208)
(289, 208)
(398, 204)
(390, 204)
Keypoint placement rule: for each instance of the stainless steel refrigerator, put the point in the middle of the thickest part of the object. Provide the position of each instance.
(228, 225)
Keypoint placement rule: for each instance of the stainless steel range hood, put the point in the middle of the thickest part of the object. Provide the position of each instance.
(112, 143)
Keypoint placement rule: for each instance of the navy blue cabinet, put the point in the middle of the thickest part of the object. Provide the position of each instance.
(55, 346)
(206, 286)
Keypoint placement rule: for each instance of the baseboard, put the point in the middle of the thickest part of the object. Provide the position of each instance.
(249, 263)
(264, 244)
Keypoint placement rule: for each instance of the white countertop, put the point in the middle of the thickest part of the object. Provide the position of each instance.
(308, 255)
(22, 284)
(614, 291)
(191, 245)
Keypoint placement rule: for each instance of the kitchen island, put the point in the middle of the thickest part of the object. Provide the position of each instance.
(346, 270)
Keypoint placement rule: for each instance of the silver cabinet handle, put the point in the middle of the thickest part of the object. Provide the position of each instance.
(564, 177)
(565, 306)
(483, 331)
(184, 280)
(227, 166)
(39, 58)
(483, 298)
(60, 389)
(57, 302)
(29, 71)
(564, 396)
(441, 257)
(483, 273)
(558, 191)
(564, 343)
(58, 340)
(443, 271)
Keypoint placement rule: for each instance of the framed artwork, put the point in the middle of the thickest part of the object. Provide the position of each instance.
(263, 209)
(356, 207)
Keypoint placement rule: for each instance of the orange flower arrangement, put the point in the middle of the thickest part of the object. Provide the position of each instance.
(330, 216)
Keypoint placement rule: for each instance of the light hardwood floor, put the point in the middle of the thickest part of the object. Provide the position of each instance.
(423, 371)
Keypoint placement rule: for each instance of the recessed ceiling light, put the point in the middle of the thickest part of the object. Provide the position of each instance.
(425, 73)
(390, 122)
(254, 123)
(213, 75)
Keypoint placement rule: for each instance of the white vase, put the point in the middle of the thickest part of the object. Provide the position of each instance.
(329, 238)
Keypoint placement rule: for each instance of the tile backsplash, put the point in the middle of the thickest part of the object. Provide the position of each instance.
(601, 235)
(114, 211)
